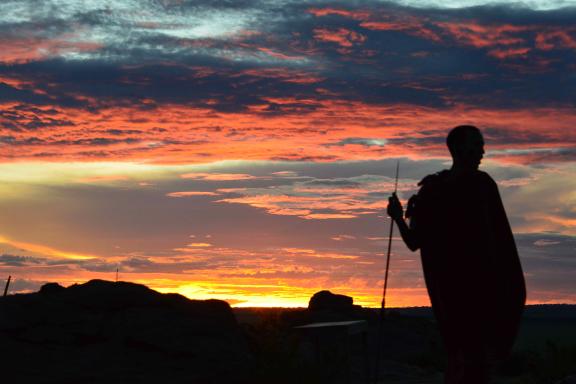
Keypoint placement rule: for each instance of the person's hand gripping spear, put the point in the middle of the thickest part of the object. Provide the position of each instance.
(395, 210)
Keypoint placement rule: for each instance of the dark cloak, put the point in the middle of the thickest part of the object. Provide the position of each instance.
(470, 262)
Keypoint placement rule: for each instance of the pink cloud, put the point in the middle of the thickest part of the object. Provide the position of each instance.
(410, 25)
(509, 53)
(191, 193)
(341, 36)
(556, 39)
(312, 202)
(96, 179)
(180, 134)
(31, 48)
(218, 176)
(355, 14)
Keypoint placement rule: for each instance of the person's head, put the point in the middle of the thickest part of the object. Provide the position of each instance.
(466, 145)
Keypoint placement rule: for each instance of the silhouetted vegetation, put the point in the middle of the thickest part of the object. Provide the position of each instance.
(544, 354)
(98, 330)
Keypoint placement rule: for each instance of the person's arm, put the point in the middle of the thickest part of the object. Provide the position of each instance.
(396, 212)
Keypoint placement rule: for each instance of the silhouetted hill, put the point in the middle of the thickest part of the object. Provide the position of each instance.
(105, 332)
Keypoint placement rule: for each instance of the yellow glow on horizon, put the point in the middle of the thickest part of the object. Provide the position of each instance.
(102, 172)
(57, 172)
(249, 295)
(294, 297)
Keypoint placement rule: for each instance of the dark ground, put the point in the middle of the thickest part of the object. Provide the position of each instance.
(412, 352)
(106, 332)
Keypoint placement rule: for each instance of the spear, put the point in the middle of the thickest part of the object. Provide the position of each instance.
(7, 285)
(383, 305)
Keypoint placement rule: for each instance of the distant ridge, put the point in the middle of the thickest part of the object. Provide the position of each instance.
(558, 311)
(544, 311)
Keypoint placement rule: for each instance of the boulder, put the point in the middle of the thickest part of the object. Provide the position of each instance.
(51, 288)
(327, 306)
(328, 301)
(100, 330)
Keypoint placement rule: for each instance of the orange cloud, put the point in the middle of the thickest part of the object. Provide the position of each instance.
(218, 176)
(341, 36)
(179, 134)
(355, 14)
(408, 24)
(329, 216)
(556, 39)
(481, 36)
(284, 74)
(509, 53)
(107, 178)
(279, 55)
(191, 193)
(45, 250)
(384, 21)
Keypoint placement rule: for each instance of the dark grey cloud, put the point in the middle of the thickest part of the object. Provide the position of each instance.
(18, 261)
(549, 264)
(504, 136)
(96, 141)
(359, 141)
(165, 59)
(539, 155)
(129, 264)
(333, 183)
(546, 248)
(19, 285)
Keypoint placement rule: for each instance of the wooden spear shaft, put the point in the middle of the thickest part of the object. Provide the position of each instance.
(383, 304)
(7, 285)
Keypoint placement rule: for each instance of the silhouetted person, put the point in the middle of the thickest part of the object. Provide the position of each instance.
(470, 262)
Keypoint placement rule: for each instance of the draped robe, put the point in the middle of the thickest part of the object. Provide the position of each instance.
(470, 262)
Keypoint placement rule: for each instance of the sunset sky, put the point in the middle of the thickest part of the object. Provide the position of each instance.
(245, 149)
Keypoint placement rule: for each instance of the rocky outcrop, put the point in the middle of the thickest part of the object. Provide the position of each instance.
(102, 331)
(328, 301)
(327, 306)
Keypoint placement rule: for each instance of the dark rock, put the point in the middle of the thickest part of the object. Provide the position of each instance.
(50, 288)
(98, 330)
(328, 301)
(327, 306)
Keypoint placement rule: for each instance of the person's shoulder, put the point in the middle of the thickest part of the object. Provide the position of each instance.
(433, 184)
(434, 178)
(483, 175)
(485, 178)
(486, 185)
